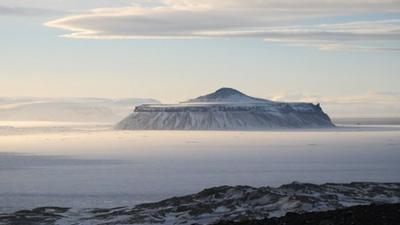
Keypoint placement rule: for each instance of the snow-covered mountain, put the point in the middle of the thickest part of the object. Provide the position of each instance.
(227, 95)
(219, 204)
(226, 109)
(68, 109)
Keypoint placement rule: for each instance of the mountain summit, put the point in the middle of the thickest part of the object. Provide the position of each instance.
(226, 109)
(227, 95)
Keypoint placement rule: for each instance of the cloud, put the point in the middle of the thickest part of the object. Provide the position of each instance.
(340, 36)
(26, 11)
(369, 97)
(370, 104)
(269, 20)
(66, 5)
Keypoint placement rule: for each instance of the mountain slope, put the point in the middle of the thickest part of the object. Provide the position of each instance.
(227, 95)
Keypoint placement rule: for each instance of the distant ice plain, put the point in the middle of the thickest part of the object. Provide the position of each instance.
(90, 165)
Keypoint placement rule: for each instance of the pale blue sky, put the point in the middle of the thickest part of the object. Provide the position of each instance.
(122, 61)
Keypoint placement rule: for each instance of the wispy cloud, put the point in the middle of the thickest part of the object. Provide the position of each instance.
(370, 104)
(27, 11)
(369, 97)
(236, 18)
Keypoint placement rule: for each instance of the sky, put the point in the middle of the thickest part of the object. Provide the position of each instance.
(338, 52)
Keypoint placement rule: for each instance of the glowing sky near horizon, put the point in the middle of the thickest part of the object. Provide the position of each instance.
(339, 51)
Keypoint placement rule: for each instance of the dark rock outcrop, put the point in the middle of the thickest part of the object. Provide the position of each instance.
(386, 214)
(226, 203)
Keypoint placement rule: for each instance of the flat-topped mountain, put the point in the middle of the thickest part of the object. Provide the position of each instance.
(226, 109)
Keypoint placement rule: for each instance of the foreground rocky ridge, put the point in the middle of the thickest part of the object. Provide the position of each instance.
(226, 109)
(224, 203)
(386, 214)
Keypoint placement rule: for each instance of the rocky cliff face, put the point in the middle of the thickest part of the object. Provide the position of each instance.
(226, 109)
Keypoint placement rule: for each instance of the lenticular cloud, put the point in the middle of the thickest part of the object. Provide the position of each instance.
(270, 20)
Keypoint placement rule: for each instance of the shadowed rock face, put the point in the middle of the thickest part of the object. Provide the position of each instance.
(224, 203)
(226, 109)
